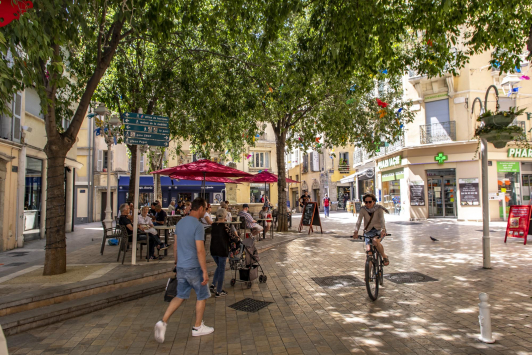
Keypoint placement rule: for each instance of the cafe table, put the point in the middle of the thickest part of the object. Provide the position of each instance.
(166, 230)
(264, 221)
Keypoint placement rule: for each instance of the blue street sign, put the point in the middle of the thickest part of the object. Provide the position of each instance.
(141, 141)
(161, 137)
(147, 129)
(145, 122)
(146, 117)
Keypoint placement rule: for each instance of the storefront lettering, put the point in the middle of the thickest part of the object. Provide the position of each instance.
(387, 163)
(519, 153)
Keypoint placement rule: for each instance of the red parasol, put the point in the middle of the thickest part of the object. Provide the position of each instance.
(264, 176)
(209, 178)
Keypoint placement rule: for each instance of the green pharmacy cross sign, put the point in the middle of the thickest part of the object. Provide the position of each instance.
(440, 158)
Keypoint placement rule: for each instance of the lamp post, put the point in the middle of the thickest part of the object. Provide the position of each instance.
(108, 130)
(156, 155)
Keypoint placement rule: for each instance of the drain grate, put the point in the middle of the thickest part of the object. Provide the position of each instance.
(250, 305)
(408, 277)
(338, 281)
(18, 253)
(15, 264)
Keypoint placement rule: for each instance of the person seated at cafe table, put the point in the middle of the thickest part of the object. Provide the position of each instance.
(263, 214)
(250, 222)
(225, 206)
(171, 207)
(160, 216)
(206, 220)
(126, 222)
(186, 208)
(146, 225)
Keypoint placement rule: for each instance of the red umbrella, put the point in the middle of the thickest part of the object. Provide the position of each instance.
(265, 177)
(211, 179)
(201, 170)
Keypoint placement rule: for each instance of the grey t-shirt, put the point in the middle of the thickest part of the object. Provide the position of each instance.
(188, 230)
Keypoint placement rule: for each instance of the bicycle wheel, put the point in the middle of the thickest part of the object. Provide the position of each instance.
(372, 279)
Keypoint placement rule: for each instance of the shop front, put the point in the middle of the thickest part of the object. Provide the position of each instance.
(391, 189)
(366, 183)
(32, 198)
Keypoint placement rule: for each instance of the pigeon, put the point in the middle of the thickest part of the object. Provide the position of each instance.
(433, 239)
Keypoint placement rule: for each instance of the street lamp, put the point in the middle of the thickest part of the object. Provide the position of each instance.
(156, 155)
(108, 129)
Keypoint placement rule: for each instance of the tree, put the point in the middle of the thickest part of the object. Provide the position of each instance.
(47, 50)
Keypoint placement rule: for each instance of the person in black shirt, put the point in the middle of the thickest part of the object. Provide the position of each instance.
(125, 221)
(152, 211)
(160, 216)
(303, 200)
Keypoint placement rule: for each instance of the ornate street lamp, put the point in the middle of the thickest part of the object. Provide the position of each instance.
(109, 129)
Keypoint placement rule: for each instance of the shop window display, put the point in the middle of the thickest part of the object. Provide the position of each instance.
(391, 191)
(506, 183)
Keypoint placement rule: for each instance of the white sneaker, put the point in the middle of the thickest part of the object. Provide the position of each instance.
(160, 331)
(202, 330)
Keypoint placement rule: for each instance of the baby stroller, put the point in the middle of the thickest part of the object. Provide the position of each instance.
(246, 263)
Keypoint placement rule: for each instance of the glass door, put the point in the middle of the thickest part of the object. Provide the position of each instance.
(435, 197)
(527, 182)
(449, 196)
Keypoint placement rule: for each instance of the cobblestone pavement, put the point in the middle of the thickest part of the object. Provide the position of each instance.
(438, 317)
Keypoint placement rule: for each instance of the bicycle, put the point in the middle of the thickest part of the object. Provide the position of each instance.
(374, 270)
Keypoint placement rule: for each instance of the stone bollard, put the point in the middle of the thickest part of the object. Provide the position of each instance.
(484, 319)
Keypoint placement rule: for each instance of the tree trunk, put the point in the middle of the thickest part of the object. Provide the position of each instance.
(282, 222)
(159, 189)
(132, 173)
(55, 249)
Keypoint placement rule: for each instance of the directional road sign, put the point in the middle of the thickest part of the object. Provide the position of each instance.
(142, 141)
(147, 129)
(161, 137)
(143, 129)
(145, 122)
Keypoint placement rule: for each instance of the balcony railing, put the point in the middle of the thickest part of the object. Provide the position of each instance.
(438, 132)
(343, 168)
(359, 156)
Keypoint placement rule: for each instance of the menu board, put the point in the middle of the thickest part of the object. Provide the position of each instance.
(358, 206)
(518, 222)
(469, 192)
(417, 193)
(311, 216)
(307, 214)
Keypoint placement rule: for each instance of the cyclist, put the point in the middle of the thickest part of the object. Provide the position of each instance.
(373, 215)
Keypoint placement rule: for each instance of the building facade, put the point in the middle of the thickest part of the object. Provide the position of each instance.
(23, 166)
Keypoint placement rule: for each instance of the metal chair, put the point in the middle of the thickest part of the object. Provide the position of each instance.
(124, 243)
(243, 227)
(275, 214)
(108, 233)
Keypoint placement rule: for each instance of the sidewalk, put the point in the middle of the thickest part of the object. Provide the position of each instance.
(437, 316)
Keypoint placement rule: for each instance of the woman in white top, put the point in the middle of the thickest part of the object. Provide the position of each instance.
(146, 225)
(206, 219)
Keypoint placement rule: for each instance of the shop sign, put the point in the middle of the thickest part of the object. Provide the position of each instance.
(507, 167)
(519, 153)
(388, 163)
(393, 175)
(436, 97)
(469, 195)
(417, 193)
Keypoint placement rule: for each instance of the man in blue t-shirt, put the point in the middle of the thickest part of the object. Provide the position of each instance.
(191, 270)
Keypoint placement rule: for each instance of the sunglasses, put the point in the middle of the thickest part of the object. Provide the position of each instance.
(368, 201)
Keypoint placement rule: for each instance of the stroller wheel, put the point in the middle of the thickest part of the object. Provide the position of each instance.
(249, 284)
(261, 279)
(233, 281)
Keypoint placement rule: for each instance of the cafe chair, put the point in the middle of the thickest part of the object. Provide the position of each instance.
(108, 233)
(275, 214)
(243, 227)
(125, 244)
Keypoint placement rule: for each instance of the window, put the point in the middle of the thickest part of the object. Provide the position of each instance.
(297, 177)
(305, 163)
(10, 124)
(141, 164)
(33, 103)
(344, 158)
(260, 160)
(104, 157)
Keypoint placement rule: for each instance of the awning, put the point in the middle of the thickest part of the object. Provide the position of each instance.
(352, 177)
(145, 183)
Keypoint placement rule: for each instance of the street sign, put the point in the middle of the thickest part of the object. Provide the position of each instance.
(146, 117)
(142, 141)
(143, 129)
(161, 137)
(147, 129)
(145, 122)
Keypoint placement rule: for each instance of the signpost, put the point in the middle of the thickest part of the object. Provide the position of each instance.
(518, 222)
(140, 129)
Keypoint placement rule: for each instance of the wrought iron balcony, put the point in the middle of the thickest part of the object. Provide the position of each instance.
(438, 132)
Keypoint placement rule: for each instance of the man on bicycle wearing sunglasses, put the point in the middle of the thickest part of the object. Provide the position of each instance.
(373, 215)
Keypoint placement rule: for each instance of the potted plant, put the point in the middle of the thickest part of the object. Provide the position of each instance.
(499, 136)
(500, 118)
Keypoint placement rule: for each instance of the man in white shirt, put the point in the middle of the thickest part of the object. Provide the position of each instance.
(171, 207)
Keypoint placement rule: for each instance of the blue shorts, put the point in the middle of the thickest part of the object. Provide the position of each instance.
(372, 233)
(188, 279)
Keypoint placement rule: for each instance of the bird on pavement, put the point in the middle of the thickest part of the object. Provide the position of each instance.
(433, 239)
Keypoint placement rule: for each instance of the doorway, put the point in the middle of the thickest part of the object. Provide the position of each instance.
(104, 205)
(442, 193)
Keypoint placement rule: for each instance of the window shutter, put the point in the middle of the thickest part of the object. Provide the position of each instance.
(112, 160)
(99, 164)
(16, 117)
(142, 163)
(267, 162)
